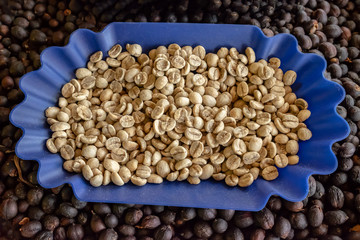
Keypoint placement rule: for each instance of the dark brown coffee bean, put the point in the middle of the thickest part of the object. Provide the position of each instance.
(226, 214)
(30, 229)
(101, 208)
(164, 232)
(336, 217)
(264, 218)
(202, 229)
(35, 213)
(67, 210)
(293, 206)
(258, 234)
(315, 216)
(126, 230)
(243, 219)
(168, 217)
(133, 216)
(75, 232)
(335, 197)
(234, 233)
(219, 225)
(97, 224)
(51, 222)
(274, 204)
(8, 209)
(34, 196)
(207, 214)
(150, 222)
(320, 230)
(48, 203)
(60, 233)
(282, 227)
(111, 221)
(298, 221)
(108, 234)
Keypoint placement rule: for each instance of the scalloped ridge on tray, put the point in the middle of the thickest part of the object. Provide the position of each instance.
(42, 89)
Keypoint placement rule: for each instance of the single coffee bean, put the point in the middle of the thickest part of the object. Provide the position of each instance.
(207, 214)
(150, 222)
(164, 232)
(335, 197)
(335, 218)
(8, 209)
(108, 234)
(298, 221)
(264, 218)
(282, 227)
(243, 219)
(97, 224)
(67, 210)
(133, 216)
(111, 221)
(315, 216)
(30, 229)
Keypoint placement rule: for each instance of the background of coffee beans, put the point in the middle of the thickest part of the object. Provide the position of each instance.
(332, 208)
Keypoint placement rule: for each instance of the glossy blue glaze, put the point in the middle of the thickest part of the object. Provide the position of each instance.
(42, 88)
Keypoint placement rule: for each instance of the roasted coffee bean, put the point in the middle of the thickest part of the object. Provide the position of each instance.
(345, 164)
(355, 174)
(336, 217)
(44, 235)
(234, 233)
(118, 209)
(219, 225)
(320, 190)
(101, 208)
(274, 204)
(75, 231)
(293, 206)
(133, 216)
(66, 193)
(82, 218)
(207, 214)
(34, 196)
(320, 231)
(30, 229)
(60, 233)
(97, 224)
(108, 234)
(48, 203)
(67, 210)
(50, 222)
(23, 205)
(150, 222)
(243, 219)
(164, 232)
(298, 221)
(226, 214)
(35, 213)
(202, 229)
(264, 218)
(8, 209)
(111, 221)
(282, 227)
(78, 204)
(335, 197)
(168, 217)
(315, 216)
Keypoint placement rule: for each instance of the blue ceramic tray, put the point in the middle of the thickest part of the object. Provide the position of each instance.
(42, 89)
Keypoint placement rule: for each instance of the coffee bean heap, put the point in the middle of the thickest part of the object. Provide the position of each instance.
(331, 210)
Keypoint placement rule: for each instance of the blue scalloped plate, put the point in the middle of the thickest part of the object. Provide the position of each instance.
(42, 89)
